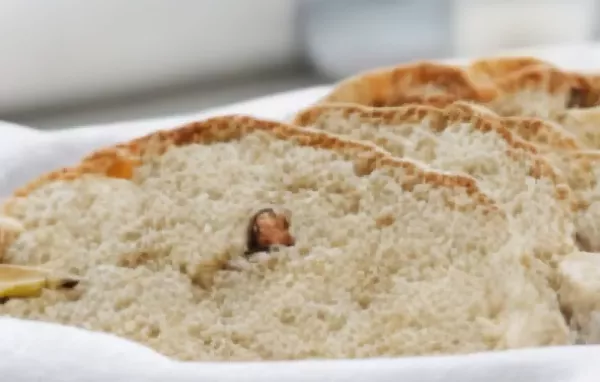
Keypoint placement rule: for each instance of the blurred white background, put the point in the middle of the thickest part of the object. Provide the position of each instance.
(71, 62)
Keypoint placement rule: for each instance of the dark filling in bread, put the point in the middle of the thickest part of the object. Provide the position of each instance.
(267, 229)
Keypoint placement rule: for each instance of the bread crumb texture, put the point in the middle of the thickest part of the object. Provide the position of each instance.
(510, 86)
(461, 139)
(554, 110)
(390, 258)
(580, 287)
(585, 170)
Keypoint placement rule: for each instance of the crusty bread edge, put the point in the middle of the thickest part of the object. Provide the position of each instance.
(458, 111)
(497, 67)
(231, 127)
(482, 81)
(376, 87)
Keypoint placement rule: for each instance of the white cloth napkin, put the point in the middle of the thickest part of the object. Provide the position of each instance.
(32, 351)
(35, 351)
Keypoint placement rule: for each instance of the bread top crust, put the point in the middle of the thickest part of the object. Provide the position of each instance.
(441, 119)
(483, 81)
(542, 133)
(392, 86)
(120, 161)
(496, 67)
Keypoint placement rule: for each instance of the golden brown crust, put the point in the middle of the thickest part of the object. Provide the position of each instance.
(515, 73)
(483, 81)
(549, 79)
(437, 100)
(114, 163)
(439, 118)
(542, 133)
(229, 128)
(393, 86)
(492, 68)
(390, 115)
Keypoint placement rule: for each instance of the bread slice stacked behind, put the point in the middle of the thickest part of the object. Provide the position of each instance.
(567, 137)
(458, 138)
(510, 86)
(570, 140)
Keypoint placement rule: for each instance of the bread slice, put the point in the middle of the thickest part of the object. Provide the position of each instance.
(578, 166)
(531, 87)
(460, 138)
(547, 136)
(510, 86)
(578, 287)
(578, 273)
(391, 257)
(524, 87)
(550, 139)
(544, 92)
(483, 81)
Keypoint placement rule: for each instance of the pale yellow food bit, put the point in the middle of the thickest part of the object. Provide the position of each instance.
(18, 281)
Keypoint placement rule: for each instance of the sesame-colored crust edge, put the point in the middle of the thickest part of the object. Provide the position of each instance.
(483, 81)
(407, 83)
(441, 119)
(438, 118)
(119, 161)
(492, 68)
(534, 130)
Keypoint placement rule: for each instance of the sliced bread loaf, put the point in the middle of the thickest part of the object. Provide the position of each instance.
(390, 257)
(565, 98)
(543, 91)
(568, 99)
(578, 273)
(578, 166)
(577, 281)
(511, 86)
(460, 138)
